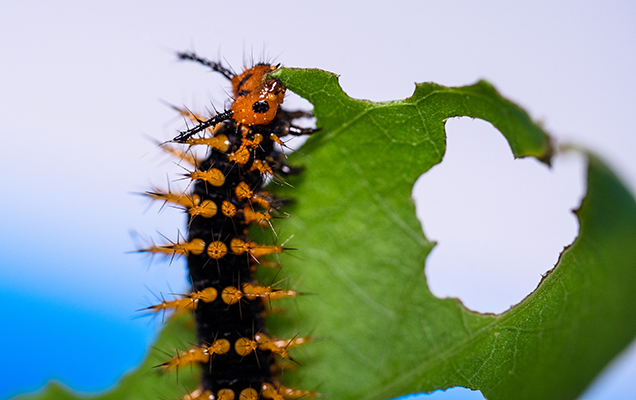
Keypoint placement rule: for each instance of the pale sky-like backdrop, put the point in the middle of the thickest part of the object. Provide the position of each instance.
(81, 91)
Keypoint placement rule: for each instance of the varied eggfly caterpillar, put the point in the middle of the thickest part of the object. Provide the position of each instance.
(238, 356)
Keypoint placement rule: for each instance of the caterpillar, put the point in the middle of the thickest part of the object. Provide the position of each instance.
(238, 357)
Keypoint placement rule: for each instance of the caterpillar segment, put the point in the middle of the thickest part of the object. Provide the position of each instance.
(208, 208)
(224, 201)
(216, 249)
(203, 354)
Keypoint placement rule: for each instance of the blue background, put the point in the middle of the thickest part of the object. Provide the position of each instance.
(79, 90)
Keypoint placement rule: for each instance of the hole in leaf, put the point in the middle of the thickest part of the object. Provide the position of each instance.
(499, 223)
(455, 393)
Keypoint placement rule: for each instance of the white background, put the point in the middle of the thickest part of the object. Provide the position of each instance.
(80, 85)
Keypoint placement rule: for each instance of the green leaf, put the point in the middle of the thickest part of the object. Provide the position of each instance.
(362, 252)
(145, 382)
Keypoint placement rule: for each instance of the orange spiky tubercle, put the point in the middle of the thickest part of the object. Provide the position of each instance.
(225, 201)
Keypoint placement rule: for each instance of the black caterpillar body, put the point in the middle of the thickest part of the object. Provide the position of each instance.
(237, 355)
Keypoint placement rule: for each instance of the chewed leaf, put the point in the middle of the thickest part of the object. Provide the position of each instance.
(362, 251)
(379, 331)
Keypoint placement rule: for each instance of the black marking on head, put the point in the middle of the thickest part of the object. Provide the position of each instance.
(260, 107)
(242, 93)
(245, 78)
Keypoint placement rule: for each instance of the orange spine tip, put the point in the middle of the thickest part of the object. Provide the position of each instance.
(231, 295)
(198, 354)
(193, 117)
(228, 209)
(185, 302)
(274, 138)
(251, 143)
(196, 246)
(261, 201)
(243, 192)
(207, 209)
(294, 342)
(239, 246)
(225, 394)
(183, 199)
(262, 167)
(260, 218)
(262, 250)
(240, 156)
(245, 346)
(220, 346)
(217, 250)
(181, 155)
(278, 346)
(252, 292)
(262, 342)
(248, 394)
(212, 176)
(220, 142)
(175, 305)
(206, 295)
(268, 391)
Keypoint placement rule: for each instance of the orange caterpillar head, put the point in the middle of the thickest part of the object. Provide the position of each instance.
(256, 100)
